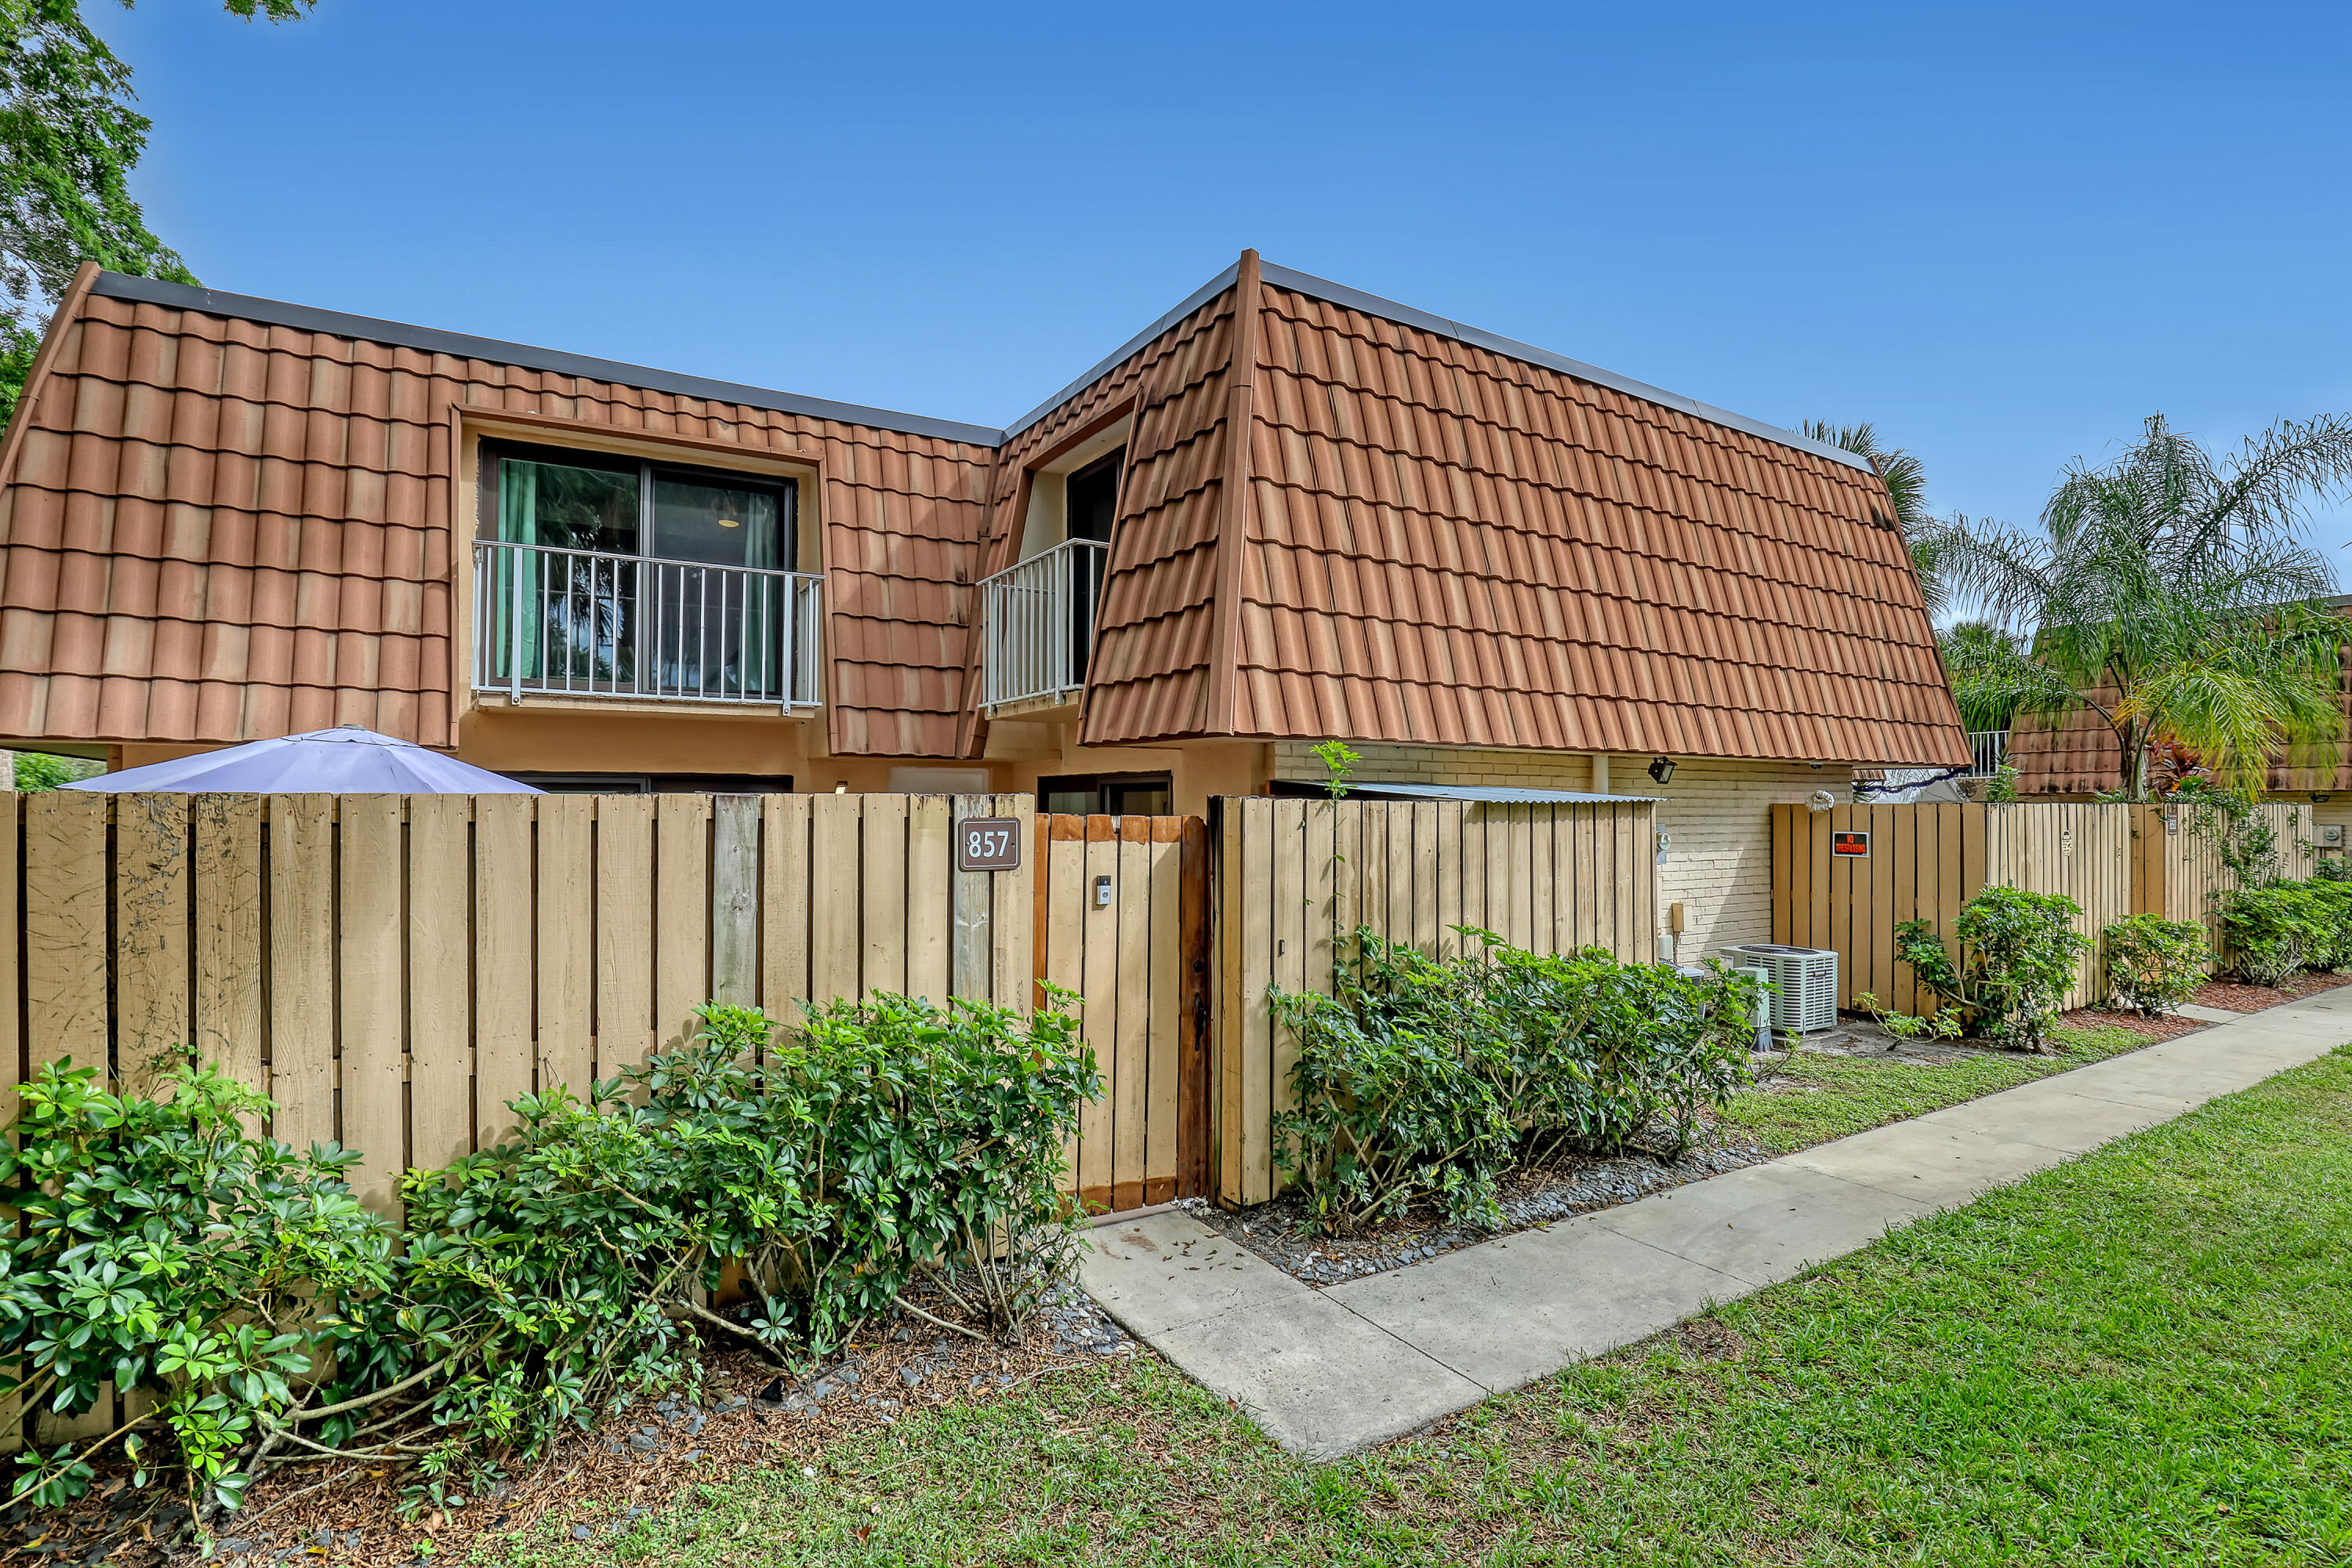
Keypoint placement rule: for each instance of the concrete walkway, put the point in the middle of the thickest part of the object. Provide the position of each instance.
(1328, 1371)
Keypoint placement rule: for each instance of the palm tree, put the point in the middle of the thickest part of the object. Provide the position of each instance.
(1906, 484)
(2168, 595)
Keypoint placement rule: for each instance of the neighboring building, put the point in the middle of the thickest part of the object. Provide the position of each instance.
(1286, 511)
(2075, 758)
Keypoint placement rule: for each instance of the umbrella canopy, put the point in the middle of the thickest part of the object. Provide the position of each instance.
(347, 760)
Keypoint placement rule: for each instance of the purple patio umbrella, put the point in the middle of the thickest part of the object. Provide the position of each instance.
(346, 760)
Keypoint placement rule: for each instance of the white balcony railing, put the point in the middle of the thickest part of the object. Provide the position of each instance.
(580, 623)
(1041, 623)
(1987, 749)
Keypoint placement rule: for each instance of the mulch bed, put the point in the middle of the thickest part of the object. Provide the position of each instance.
(2231, 996)
(2153, 1029)
(591, 1483)
(1285, 1234)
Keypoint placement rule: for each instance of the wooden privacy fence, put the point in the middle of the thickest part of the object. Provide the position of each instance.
(1924, 861)
(2193, 871)
(393, 969)
(1291, 873)
(1122, 917)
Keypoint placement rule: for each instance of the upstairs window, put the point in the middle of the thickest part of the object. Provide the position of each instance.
(611, 575)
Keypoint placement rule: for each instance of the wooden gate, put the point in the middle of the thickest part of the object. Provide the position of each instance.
(1121, 919)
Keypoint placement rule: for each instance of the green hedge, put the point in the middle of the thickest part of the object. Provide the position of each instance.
(164, 1247)
(2154, 964)
(1426, 1078)
(2271, 931)
(2017, 957)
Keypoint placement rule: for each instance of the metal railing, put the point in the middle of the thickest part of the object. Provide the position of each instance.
(1041, 623)
(1987, 749)
(581, 623)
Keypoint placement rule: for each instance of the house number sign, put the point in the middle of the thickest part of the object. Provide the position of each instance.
(988, 843)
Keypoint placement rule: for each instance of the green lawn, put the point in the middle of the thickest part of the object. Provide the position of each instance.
(1833, 1096)
(2142, 1357)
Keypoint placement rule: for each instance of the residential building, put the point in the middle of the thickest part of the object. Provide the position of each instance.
(1286, 512)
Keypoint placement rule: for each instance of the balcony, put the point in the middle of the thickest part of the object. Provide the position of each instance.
(1987, 749)
(583, 624)
(1040, 624)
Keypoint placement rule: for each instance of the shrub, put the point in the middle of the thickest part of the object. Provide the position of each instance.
(2276, 929)
(537, 1281)
(2334, 869)
(2153, 964)
(161, 1247)
(1421, 1078)
(2018, 952)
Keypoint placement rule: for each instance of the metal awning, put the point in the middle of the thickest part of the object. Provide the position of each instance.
(1488, 794)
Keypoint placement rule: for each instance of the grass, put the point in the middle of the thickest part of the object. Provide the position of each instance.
(1834, 1096)
(2144, 1356)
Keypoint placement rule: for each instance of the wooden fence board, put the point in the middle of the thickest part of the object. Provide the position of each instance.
(624, 952)
(836, 878)
(1162, 940)
(784, 905)
(883, 966)
(565, 1025)
(1012, 919)
(440, 980)
(505, 978)
(735, 900)
(682, 916)
(152, 980)
(1098, 1007)
(1132, 1044)
(65, 930)
(302, 967)
(370, 937)
(931, 855)
(226, 940)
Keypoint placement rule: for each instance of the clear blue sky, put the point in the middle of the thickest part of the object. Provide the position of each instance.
(2005, 234)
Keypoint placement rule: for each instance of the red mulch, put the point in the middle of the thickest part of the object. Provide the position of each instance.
(2154, 1028)
(2231, 996)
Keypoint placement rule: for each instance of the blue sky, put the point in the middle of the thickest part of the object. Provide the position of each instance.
(2006, 235)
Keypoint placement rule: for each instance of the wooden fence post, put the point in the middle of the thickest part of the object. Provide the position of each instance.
(971, 935)
(735, 900)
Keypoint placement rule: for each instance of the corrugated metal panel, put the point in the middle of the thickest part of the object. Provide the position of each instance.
(221, 530)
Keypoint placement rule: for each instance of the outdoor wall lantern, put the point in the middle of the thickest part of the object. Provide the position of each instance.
(1662, 769)
(2319, 800)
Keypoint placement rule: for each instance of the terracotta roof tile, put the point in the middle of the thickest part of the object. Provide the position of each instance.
(172, 451)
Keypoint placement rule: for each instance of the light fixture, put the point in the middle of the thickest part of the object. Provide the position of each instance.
(728, 522)
(2319, 800)
(1662, 769)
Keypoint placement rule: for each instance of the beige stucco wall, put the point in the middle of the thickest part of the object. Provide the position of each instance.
(1715, 814)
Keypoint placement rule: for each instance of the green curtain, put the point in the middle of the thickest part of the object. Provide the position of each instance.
(517, 524)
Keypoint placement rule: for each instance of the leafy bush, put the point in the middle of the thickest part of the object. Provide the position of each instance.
(536, 1281)
(2018, 952)
(2276, 929)
(1423, 1079)
(2334, 869)
(161, 1246)
(2154, 964)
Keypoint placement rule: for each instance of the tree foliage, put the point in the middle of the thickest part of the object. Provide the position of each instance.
(1907, 485)
(2166, 592)
(69, 136)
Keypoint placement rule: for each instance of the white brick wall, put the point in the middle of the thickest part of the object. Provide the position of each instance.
(1715, 814)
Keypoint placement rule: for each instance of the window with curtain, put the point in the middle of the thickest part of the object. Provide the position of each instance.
(638, 576)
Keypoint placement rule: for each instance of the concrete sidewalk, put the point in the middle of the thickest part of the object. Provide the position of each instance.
(1329, 1372)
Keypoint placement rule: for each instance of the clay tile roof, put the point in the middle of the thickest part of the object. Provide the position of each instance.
(223, 518)
(1449, 537)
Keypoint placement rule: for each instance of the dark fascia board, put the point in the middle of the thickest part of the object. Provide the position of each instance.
(1388, 310)
(428, 340)
(1118, 356)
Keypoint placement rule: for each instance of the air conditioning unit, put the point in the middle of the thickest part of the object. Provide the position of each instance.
(1805, 982)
